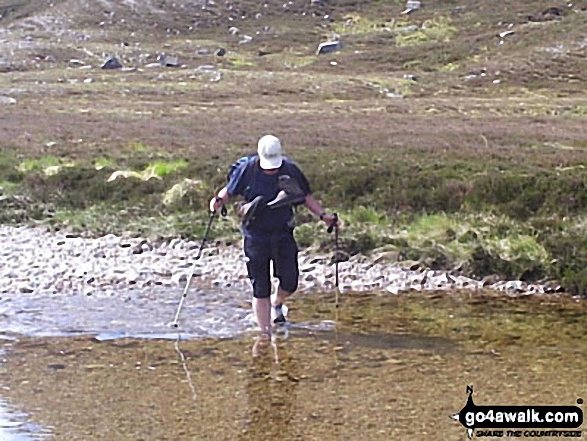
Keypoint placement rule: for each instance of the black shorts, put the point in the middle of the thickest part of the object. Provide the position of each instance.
(279, 248)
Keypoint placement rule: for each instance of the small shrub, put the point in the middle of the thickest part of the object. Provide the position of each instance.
(575, 281)
(569, 253)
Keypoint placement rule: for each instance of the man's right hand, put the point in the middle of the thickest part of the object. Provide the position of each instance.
(216, 204)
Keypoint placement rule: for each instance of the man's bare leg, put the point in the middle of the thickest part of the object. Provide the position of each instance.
(262, 310)
(279, 297)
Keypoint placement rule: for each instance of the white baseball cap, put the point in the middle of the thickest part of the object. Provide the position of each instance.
(269, 150)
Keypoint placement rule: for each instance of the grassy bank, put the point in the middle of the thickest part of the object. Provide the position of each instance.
(454, 135)
(477, 217)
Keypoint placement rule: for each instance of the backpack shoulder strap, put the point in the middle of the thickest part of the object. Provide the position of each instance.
(252, 160)
(247, 160)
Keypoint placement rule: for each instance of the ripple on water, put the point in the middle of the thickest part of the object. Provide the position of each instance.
(146, 313)
(222, 313)
(14, 427)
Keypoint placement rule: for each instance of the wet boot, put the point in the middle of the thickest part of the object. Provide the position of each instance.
(290, 193)
(278, 313)
(249, 211)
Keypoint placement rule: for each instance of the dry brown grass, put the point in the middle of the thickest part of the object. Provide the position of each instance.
(538, 102)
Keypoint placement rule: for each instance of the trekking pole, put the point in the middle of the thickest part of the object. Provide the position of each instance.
(187, 284)
(334, 226)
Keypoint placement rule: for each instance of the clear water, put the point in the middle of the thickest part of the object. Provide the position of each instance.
(140, 314)
(380, 367)
(14, 426)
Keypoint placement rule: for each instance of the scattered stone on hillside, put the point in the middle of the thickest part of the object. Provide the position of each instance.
(203, 52)
(547, 15)
(328, 47)
(315, 2)
(246, 39)
(7, 100)
(411, 6)
(168, 60)
(208, 72)
(205, 68)
(411, 77)
(476, 73)
(76, 62)
(506, 34)
(406, 29)
(220, 52)
(112, 63)
(233, 30)
(553, 11)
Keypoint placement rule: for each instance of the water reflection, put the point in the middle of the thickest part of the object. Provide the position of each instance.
(13, 426)
(272, 379)
(391, 368)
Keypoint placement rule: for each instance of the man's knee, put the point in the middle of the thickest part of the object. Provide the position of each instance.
(259, 277)
(289, 284)
(258, 269)
(287, 269)
(261, 288)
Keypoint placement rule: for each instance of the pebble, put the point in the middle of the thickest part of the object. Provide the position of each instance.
(34, 260)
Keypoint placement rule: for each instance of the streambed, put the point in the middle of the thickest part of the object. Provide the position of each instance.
(379, 367)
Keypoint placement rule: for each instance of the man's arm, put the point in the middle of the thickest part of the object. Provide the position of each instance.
(315, 207)
(233, 188)
(217, 202)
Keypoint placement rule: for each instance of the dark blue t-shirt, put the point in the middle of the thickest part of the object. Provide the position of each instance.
(249, 181)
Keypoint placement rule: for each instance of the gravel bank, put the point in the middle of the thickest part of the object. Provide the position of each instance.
(33, 260)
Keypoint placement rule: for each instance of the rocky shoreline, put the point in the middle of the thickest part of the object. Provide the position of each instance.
(36, 261)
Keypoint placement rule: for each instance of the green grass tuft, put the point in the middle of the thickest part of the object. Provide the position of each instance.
(29, 165)
(436, 30)
(161, 169)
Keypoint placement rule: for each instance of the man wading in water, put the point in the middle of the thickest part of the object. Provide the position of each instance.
(271, 185)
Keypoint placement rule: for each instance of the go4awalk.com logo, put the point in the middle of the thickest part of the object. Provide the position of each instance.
(520, 421)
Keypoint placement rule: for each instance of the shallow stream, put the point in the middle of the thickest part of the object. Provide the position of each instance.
(379, 367)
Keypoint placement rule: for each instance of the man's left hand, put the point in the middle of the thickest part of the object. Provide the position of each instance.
(330, 220)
